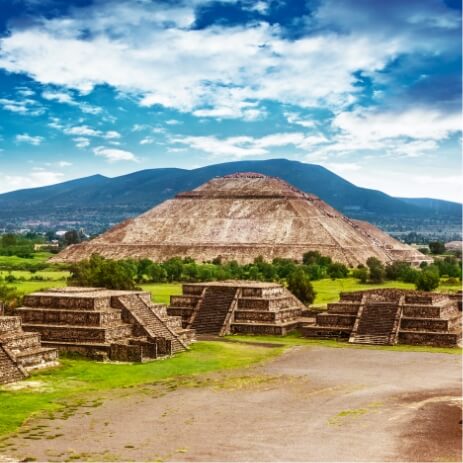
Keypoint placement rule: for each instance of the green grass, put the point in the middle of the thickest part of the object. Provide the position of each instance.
(78, 381)
(161, 292)
(14, 261)
(328, 290)
(296, 340)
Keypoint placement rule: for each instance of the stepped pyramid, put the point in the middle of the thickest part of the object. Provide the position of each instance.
(247, 307)
(21, 351)
(390, 316)
(240, 217)
(104, 324)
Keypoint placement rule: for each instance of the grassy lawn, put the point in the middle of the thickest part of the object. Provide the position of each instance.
(161, 292)
(327, 290)
(14, 261)
(296, 340)
(78, 381)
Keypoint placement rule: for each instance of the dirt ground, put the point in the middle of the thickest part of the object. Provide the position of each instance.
(310, 404)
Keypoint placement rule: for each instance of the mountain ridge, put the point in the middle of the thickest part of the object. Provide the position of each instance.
(108, 200)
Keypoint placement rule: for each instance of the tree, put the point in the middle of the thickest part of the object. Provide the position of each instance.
(427, 280)
(377, 272)
(361, 273)
(437, 247)
(299, 284)
(337, 270)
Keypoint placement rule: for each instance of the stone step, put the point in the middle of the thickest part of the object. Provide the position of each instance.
(21, 340)
(372, 339)
(9, 324)
(37, 357)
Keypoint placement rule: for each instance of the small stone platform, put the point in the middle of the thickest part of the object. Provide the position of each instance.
(220, 308)
(390, 316)
(104, 324)
(20, 351)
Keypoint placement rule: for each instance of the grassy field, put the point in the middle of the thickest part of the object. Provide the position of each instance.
(81, 382)
(327, 290)
(14, 261)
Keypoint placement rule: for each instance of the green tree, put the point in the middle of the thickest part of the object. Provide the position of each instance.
(437, 247)
(299, 284)
(361, 274)
(376, 270)
(427, 280)
(337, 270)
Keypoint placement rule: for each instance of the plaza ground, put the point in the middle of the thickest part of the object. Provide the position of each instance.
(301, 402)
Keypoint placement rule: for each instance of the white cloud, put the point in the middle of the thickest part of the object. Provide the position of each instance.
(35, 179)
(26, 138)
(64, 163)
(65, 97)
(147, 141)
(294, 118)
(86, 131)
(242, 146)
(114, 155)
(214, 72)
(81, 142)
(25, 106)
(419, 123)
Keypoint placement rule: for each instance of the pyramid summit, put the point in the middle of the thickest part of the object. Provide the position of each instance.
(240, 217)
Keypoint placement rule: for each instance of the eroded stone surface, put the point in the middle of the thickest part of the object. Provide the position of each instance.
(241, 217)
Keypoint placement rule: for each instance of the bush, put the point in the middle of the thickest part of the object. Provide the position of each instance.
(437, 247)
(299, 284)
(337, 270)
(427, 280)
(361, 273)
(100, 272)
(377, 272)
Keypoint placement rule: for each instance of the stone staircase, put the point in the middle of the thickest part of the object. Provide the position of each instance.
(213, 309)
(377, 323)
(104, 324)
(21, 352)
(390, 316)
(237, 307)
(153, 321)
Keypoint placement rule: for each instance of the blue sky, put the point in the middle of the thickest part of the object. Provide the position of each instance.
(369, 89)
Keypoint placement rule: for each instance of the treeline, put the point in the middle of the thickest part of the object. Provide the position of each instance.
(109, 273)
(18, 245)
(127, 274)
(426, 278)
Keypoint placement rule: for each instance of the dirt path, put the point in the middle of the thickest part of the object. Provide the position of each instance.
(310, 404)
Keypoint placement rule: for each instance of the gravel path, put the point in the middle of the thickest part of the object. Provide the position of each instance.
(310, 404)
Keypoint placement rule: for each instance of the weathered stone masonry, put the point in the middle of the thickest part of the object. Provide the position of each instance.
(99, 323)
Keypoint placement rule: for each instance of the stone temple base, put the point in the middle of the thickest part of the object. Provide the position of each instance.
(104, 324)
(245, 307)
(418, 318)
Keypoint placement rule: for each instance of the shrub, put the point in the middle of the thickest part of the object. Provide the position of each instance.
(361, 273)
(437, 247)
(427, 280)
(337, 270)
(299, 284)
(377, 272)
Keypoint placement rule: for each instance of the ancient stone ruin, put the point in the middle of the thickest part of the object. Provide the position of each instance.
(20, 351)
(247, 307)
(240, 217)
(390, 316)
(104, 324)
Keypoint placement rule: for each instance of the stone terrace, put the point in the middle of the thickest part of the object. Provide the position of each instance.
(389, 316)
(21, 351)
(221, 308)
(104, 324)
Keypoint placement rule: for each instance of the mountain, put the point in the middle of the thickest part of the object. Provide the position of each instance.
(97, 202)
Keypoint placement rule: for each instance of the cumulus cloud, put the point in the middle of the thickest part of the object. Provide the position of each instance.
(24, 106)
(31, 140)
(81, 142)
(245, 146)
(35, 179)
(67, 98)
(214, 72)
(114, 155)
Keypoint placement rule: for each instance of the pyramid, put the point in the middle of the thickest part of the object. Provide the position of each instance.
(240, 217)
